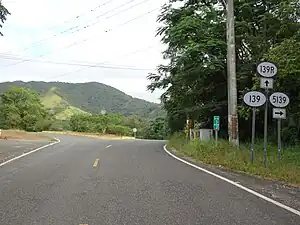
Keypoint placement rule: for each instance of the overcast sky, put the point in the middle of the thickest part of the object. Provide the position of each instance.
(118, 33)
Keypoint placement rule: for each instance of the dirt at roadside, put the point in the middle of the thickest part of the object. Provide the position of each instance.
(15, 143)
(22, 135)
(279, 191)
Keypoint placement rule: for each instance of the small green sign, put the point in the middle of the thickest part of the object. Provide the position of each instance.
(216, 123)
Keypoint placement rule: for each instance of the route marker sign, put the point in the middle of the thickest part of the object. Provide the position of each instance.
(279, 113)
(216, 126)
(279, 99)
(266, 69)
(254, 98)
(216, 123)
(266, 83)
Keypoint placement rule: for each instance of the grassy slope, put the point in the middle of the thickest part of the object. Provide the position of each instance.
(288, 170)
(63, 110)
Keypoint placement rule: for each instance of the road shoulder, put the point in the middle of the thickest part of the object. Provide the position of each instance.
(278, 191)
(16, 148)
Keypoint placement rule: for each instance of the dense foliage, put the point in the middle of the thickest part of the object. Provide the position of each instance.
(157, 129)
(119, 125)
(104, 124)
(21, 108)
(3, 15)
(195, 79)
(90, 97)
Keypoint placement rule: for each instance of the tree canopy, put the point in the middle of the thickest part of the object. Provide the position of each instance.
(21, 108)
(195, 79)
(3, 15)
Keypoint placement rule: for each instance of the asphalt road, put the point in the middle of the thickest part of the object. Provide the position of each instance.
(132, 182)
(13, 148)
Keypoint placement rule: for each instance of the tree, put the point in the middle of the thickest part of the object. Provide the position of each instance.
(21, 108)
(195, 79)
(157, 129)
(98, 123)
(287, 56)
(3, 15)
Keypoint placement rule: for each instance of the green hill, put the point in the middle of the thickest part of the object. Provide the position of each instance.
(66, 99)
(58, 105)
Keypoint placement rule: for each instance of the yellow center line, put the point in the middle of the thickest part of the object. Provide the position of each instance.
(96, 163)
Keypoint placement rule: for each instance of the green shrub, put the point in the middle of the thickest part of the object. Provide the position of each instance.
(118, 130)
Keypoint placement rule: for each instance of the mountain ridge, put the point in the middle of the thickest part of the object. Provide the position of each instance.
(90, 97)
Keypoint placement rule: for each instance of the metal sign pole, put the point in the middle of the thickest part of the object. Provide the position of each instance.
(267, 70)
(266, 129)
(216, 134)
(253, 135)
(254, 99)
(279, 100)
(279, 138)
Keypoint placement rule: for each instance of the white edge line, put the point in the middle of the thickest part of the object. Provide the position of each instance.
(108, 146)
(28, 153)
(237, 185)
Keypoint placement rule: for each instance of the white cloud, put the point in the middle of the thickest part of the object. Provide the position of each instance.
(127, 43)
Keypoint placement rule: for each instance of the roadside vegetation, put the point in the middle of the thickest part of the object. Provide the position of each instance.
(194, 78)
(238, 159)
(23, 109)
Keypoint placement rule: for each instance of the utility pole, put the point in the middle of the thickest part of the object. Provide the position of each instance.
(231, 77)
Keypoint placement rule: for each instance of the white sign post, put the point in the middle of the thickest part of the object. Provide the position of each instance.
(266, 70)
(279, 100)
(254, 99)
(134, 132)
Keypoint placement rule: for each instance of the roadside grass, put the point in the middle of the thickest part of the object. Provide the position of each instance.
(238, 159)
(92, 135)
(23, 135)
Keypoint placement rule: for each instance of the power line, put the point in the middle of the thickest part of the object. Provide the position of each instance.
(72, 28)
(130, 53)
(66, 21)
(122, 11)
(84, 40)
(81, 15)
(84, 68)
(103, 14)
(100, 65)
(133, 19)
(22, 57)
